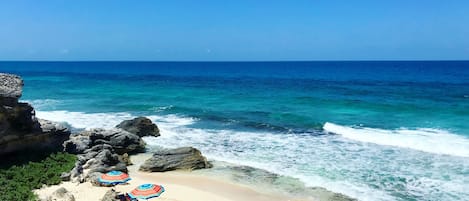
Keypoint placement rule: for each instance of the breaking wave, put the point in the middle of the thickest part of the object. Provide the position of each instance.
(424, 139)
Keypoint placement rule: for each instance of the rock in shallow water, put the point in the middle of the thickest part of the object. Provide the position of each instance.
(140, 126)
(184, 158)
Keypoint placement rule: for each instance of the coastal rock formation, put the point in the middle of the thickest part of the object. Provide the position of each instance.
(102, 158)
(11, 89)
(185, 158)
(77, 144)
(120, 140)
(19, 127)
(140, 126)
(98, 158)
(101, 151)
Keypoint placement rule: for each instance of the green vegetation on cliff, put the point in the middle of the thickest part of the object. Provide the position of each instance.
(19, 176)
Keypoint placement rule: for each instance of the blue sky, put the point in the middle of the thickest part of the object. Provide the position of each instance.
(238, 30)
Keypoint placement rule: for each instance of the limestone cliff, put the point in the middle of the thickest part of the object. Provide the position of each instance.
(19, 127)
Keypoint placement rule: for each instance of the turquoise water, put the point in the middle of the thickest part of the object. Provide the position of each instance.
(371, 130)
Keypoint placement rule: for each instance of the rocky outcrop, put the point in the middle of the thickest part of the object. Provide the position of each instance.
(19, 127)
(120, 140)
(99, 158)
(140, 126)
(77, 144)
(101, 151)
(184, 158)
(102, 158)
(11, 89)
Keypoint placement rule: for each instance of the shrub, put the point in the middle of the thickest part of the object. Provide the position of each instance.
(18, 180)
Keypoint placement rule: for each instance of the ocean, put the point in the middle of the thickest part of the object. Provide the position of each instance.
(373, 130)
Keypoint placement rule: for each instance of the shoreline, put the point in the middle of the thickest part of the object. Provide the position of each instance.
(179, 186)
(102, 150)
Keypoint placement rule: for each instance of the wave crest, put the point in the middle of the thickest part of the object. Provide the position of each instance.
(424, 139)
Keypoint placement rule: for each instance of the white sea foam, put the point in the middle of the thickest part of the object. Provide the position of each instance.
(332, 161)
(172, 120)
(428, 140)
(280, 154)
(162, 108)
(82, 120)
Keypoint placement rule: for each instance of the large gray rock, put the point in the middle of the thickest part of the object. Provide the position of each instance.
(37, 139)
(184, 158)
(19, 127)
(61, 194)
(121, 140)
(11, 89)
(140, 126)
(101, 151)
(77, 144)
(18, 120)
(53, 127)
(97, 159)
(103, 160)
(110, 195)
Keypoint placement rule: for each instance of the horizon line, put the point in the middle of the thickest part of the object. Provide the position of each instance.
(243, 61)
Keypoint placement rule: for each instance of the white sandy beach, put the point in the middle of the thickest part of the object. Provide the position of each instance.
(179, 186)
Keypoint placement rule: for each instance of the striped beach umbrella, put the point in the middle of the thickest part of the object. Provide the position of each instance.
(114, 177)
(146, 191)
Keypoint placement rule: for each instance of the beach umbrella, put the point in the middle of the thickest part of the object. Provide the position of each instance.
(146, 191)
(113, 178)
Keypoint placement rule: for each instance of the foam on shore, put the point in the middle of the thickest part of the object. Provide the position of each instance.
(80, 120)
(423, 139)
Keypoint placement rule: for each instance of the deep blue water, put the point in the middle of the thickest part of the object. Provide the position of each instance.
(401, 128)
(400, 71)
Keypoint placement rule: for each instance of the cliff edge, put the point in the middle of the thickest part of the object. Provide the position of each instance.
(19, 127)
